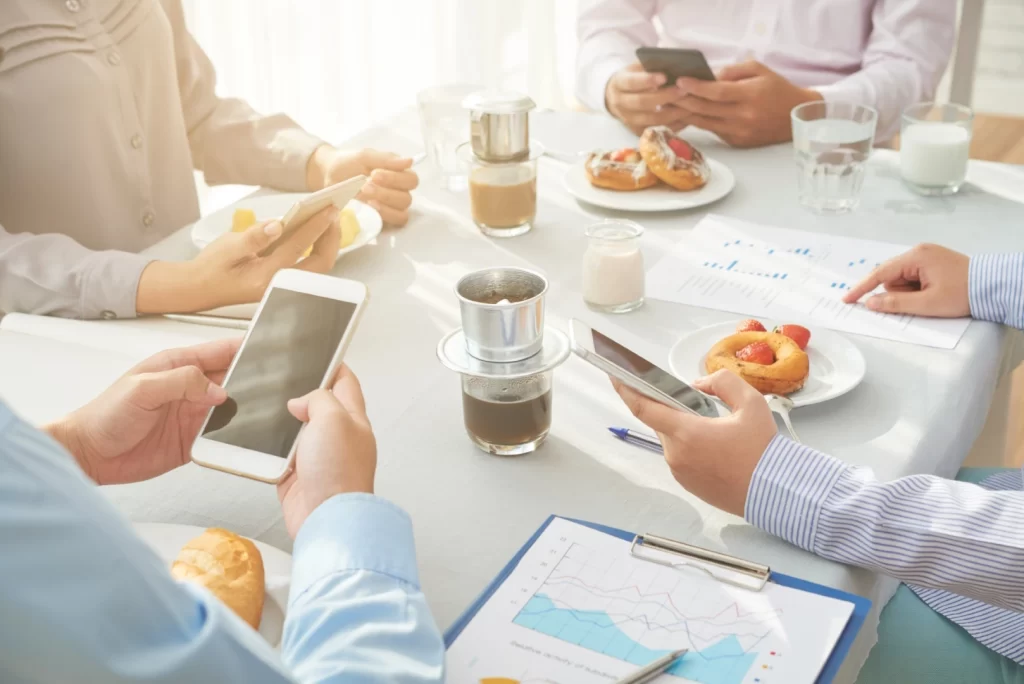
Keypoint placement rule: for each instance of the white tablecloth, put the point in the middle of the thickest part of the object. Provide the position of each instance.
(918, 410)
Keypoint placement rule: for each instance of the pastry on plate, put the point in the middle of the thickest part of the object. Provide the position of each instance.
(229, 566)
(771, 363)
(621, 169)
(673, 160)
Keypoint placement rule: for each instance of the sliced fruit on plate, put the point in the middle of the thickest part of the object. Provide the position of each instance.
(797, 333)
(757, 352)
(242, 219)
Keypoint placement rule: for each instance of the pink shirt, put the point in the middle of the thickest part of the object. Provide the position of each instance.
(887, 54)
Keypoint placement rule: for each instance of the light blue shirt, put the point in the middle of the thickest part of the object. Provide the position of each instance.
(84, 600)
(960, 546)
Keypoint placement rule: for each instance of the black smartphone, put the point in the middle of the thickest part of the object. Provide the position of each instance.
(675, 63)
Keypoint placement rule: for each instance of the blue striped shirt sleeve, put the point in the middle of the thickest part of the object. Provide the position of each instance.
(996, 288)
(924, 530)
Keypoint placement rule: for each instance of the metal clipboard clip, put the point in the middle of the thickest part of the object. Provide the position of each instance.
(756, 573)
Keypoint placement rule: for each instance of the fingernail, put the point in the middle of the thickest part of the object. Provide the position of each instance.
(684, 89)
(216, 392)
(659, 79)
(874, 303)
(273, 229)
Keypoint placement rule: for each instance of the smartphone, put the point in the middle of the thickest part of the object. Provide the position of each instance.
(294, 345)
(675, 63)
(338, 195)
(637, 372)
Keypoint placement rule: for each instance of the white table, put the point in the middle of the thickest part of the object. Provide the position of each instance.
(918, 410)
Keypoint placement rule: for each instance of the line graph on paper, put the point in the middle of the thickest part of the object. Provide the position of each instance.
(638, 612)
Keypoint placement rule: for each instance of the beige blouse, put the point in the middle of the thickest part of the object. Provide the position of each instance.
(106, 106)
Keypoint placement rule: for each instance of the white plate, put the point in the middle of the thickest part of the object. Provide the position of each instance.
(659, 198)
(209, 228)
(167, 540)
(837, 366)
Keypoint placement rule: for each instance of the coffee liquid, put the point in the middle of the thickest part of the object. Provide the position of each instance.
(507, 423)
(503, 198)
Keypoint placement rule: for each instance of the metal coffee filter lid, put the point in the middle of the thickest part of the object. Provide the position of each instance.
(451, 350)
(498, 102)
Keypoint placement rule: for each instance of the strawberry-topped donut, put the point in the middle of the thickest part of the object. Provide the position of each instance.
(673, 160)
(619, 170)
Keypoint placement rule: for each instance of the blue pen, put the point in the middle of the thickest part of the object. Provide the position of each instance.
(637, 439)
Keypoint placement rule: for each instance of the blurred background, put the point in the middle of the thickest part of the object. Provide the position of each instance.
(337, 66)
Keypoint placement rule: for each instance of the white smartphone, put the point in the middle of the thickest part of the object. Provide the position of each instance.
(294, 346)
(637, 372)
(338, 194)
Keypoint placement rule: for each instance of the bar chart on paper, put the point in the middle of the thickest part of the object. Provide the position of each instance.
(787, 275)
(579, 609)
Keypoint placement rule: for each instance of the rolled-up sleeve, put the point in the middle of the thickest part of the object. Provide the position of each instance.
(54, 275)
(608, 33)
(356, 612)
(230, 141)
(906, 55)
(996, 288)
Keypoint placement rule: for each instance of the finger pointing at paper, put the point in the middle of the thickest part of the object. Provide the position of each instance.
(929, 280)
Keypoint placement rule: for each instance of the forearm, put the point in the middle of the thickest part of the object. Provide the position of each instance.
(921, 529)
(996, 288)
(609, 32)
(356, 613)
(51, 274)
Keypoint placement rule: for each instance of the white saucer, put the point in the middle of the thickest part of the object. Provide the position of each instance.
(837, 366)
(211, 227)
(658, 198)
(167, 540)
(451, 350)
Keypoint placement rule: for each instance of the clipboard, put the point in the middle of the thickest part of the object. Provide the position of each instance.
(759, 574)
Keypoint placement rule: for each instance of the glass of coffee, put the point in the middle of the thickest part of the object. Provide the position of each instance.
(503, 195)
(507, 417)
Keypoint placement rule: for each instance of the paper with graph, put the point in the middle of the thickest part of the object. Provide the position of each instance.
(789, 276)
(579, 609)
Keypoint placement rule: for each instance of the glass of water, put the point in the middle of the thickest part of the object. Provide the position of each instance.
(445, 126)
(832, 141)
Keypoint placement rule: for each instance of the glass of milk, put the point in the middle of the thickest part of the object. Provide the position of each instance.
(613, 266)
(935, 142)
(832, 142)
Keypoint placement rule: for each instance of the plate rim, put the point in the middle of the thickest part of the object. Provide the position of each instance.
(717, 167)
(797, 402)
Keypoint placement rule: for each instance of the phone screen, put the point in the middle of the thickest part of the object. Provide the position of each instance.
(289, 349)
(636, 365)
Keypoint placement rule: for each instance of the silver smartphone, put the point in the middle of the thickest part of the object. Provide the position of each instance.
(637, 372)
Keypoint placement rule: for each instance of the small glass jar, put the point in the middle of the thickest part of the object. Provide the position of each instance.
(613, 266)
(503, 195)
(507, 416)
(935, 143)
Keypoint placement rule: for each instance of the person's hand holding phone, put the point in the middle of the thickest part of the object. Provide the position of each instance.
(145, 423)
(714, 458)
(636, 98)
(237, 267)
(748, 106)
(391, 183)
(336, 452)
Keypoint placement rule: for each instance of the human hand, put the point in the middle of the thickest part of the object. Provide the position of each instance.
(336, 453)
(714, 458)
(636, 98)
(145, 423)
(748, 106)
(236, 268)
(391, 183)
(929, 280)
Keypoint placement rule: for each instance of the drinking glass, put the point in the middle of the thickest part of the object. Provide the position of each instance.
(935, 142)
(445, 126)
(613, 266)
(832, 141)
(507, 416)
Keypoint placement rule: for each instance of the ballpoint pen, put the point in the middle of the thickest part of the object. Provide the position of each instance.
(649, 672)
(637, 439)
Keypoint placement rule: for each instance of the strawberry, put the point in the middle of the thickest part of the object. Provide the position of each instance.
(750, 325)
(797, 333)
(623, 155)
(757, 352)
(681, 148)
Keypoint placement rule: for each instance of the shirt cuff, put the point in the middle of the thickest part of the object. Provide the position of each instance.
(296, 146)
(111, 285)
(789, 488)
(351, 532)
(595, 82)
(858, 89)
(995, 288)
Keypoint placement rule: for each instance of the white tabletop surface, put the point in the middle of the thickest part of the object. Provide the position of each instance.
(918, 410)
